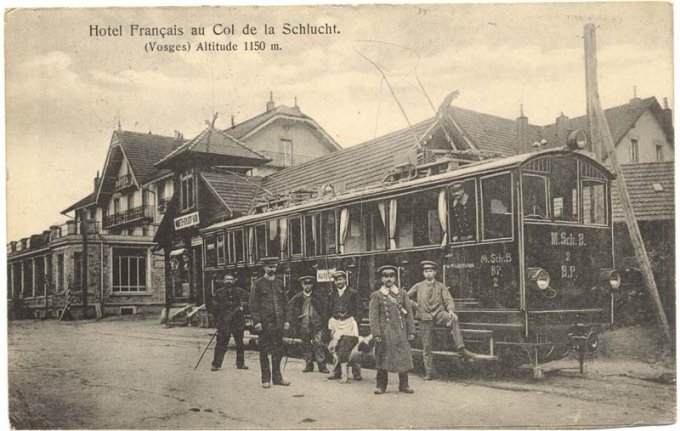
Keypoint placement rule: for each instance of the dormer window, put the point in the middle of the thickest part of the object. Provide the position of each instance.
(187, 191)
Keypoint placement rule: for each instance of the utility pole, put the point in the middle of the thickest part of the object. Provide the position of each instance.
(83, 257)
(591, 88)
(598, 117)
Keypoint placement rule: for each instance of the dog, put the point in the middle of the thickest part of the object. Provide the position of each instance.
(350, 350)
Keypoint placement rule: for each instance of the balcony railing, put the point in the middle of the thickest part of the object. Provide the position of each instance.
(123, 182)
(132, 215)
(285, 159)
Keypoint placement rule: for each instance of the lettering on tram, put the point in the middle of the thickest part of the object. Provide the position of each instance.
(522, 243)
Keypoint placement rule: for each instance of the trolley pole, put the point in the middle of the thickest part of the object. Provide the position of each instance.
(596, 116)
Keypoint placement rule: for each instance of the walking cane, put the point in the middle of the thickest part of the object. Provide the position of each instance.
(285, 362)
(205, 350)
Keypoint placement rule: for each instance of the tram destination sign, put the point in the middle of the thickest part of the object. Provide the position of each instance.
(187, 220)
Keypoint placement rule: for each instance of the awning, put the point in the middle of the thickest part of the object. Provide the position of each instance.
(178, 252)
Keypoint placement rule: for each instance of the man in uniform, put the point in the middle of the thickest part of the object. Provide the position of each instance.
(227, 308)
(463, 214)
(435, 307)
(308, 311)
(345, 308)
(268, 305)
(392, 326)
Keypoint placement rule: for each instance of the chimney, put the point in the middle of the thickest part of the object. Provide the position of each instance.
(270, 104)
(522, 132)
(667, 115)
(179, 135)
(635, 100)
(97, 180)
(296, 105)
(233, 121)
(561, 124)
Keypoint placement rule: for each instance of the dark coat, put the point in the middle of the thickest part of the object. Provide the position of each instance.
(268, 303)
(463, 219)
(226, 305)
(320, 304)
(349, 304)
(393, 326)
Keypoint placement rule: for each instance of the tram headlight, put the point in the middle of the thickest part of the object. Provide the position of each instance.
(577, 140)
(539, 278)
(611, 277)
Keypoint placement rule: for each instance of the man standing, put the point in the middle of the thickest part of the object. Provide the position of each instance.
(227, 308)
(268, 305)
(345, 308)
(435, 307)
(392, 327)
(463, 214)
(308, 311)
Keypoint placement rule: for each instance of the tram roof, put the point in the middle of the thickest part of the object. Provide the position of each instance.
(478, 168)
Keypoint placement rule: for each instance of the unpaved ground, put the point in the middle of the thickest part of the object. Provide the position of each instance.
(138, 374)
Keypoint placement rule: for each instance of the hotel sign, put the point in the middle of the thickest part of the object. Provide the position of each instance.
(186, 221)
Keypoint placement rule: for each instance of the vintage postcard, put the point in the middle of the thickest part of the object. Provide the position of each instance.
(340, 216)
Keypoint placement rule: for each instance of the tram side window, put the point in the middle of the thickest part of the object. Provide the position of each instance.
(563, 189)
(463, 211)
(534, 196)
(310, 235)
(295, 235)
(229, 245)
(210, 252)
(418, 221)
(362, 227)
(321, 228)
(220, 249)
(260, 241)
(497, 207)
(273, 238)
(238, 245)
(594, 202)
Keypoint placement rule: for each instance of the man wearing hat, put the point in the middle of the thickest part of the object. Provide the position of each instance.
(268, 305)
(392, 327)
(435, 307)
(463, 214)
(308, 312)
(226, 305)
(345, 308)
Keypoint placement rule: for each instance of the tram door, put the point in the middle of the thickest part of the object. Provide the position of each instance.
(197, 273)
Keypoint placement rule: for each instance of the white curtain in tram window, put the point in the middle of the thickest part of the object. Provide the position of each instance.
(314, 237)
(251, 244)
(344, 223)
(273, 229)
(393, 223)
(442, 210)
(283, 228)
(381, 210)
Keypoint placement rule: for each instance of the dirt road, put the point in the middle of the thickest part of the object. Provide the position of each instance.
(137, 374)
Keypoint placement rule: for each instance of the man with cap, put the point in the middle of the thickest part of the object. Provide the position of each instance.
(345, 309)
(435, 307)
(226, 305)
(268, 305)
(463, 214)
(392, 326)
(308, 312)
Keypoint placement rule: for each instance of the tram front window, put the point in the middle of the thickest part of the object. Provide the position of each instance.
(534, 196)
(497, 207)
(594, 203)
(463, 211)
(563, 189)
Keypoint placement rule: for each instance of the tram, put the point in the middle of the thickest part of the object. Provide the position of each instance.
(529, 260)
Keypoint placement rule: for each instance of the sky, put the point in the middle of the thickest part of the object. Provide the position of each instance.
(67, 91)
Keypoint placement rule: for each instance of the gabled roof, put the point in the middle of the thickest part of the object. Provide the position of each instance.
(143, 150)
(648, 203)
(244, 130)
(212, 141)
(235, 191)
(83, 203)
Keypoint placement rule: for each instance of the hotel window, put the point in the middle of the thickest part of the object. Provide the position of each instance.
(659, 151)
(634, 151)
(77, 270)
(60, 273)
(187, 192)
(129, 270)
(286, 151)
(130, 201)
(116, 206)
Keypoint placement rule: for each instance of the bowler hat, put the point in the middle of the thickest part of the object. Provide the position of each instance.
(428, 264)
(386, 268)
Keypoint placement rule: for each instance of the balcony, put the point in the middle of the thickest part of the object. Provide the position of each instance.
(123, 182)
(136, 214)
(71, 228)
(285, 159)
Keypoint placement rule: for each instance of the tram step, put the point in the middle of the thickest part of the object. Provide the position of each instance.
(451, 354)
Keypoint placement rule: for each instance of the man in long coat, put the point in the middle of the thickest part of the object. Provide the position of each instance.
(308, 312)
(268, 305)
(226, 306)
(392, 327)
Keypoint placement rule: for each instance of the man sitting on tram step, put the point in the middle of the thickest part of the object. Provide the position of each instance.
(435, 306)
(463, 214)
(308, 312)
(268, 305)
(345, 307)
(226, 306)
(392, 326)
